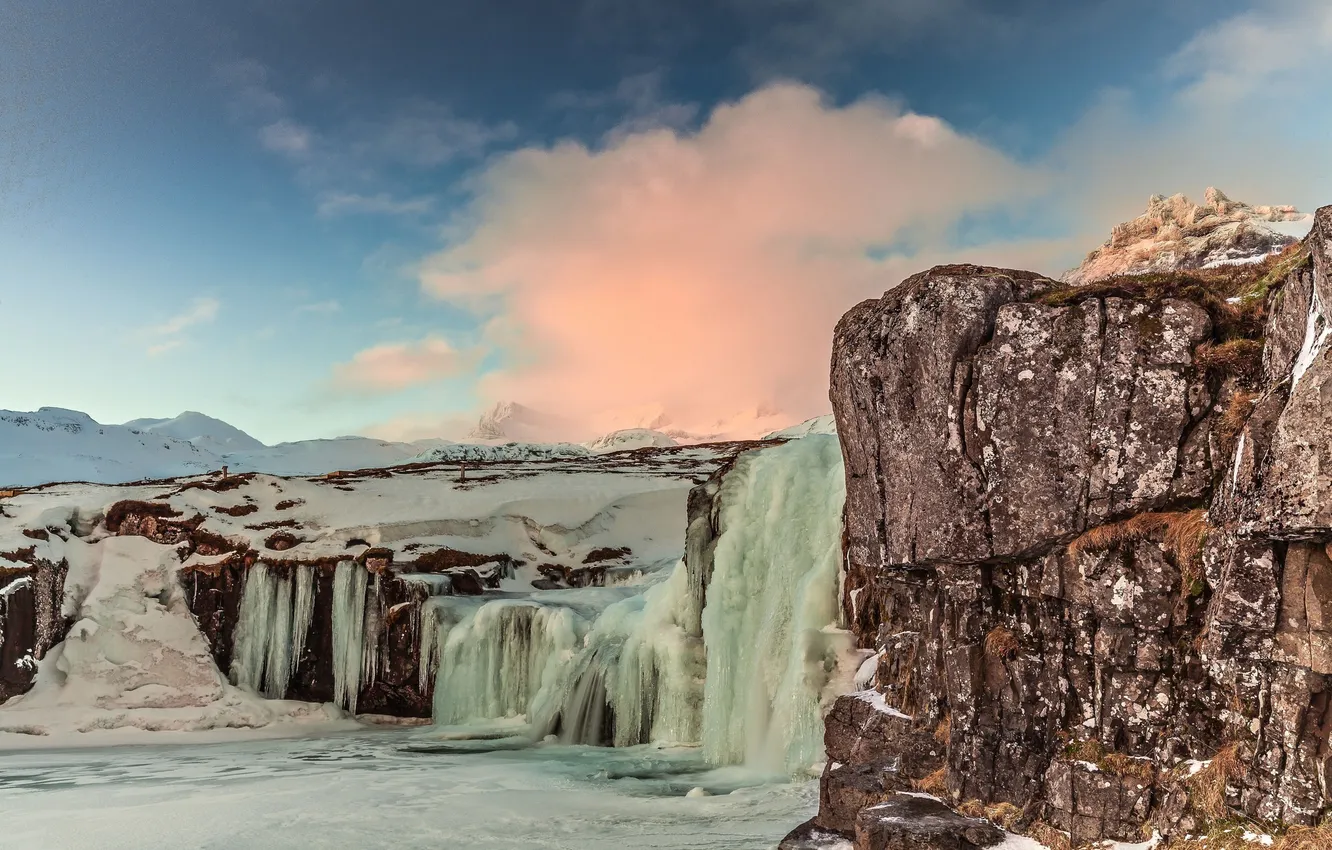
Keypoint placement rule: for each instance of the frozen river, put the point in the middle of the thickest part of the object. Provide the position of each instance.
(400, 789)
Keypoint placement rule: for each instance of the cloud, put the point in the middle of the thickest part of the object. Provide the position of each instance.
(637, 102)
(423, 133)
(324, 307)
(391, 367)
(201, 311)
(286, 136)
(164, 347)
(350, 203)
(705, 271)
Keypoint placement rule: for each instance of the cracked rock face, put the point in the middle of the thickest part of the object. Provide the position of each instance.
(1086, 557)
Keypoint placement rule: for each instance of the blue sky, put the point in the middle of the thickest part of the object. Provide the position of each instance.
(236, 208)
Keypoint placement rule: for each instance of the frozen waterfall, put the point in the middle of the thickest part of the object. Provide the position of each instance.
(350, 581)
(736, 654)
(271, 628)
(769, 621)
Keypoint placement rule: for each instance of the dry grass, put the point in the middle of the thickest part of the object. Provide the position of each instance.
(1001, 643)
(1306, 838)
(944, 731)
(1113, 763)
(936, 783)
(1053, 838)
(1003, 815)
(1128, 767)
(1207, 787)
(1241, 358)
(1182, 535)
(1224, 835)
(1233, 418)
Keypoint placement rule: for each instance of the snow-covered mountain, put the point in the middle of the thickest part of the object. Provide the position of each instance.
(631, 438)
(54, 444)
(511, 421)
(203, 431)
(1175, 233)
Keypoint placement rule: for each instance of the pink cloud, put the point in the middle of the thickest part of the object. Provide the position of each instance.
(395, 366)
(704, 272)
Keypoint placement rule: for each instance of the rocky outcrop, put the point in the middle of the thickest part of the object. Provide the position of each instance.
(30, 621)
(1175, 233)
(1086, 533)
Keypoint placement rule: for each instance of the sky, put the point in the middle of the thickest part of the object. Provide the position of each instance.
(312, 218)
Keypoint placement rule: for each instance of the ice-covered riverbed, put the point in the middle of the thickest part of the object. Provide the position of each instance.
(400, 789)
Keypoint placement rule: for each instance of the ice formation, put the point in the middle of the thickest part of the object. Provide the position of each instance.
(738, 663)
(350, 581)
(271, 629)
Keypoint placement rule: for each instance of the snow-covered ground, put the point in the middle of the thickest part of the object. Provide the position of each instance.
(56, 445)
(399, 789)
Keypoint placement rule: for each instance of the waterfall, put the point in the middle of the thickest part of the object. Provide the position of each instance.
(769, 622)
(733, 649)
(350, 581)
(504, 661)
(271, 629)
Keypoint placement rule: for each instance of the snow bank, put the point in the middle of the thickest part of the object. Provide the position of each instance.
(134, 659)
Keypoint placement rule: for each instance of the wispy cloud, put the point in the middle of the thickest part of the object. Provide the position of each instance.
(287, 137)
(168, 333)
(423, 133)
(324, 307)
(350, 203)
(391, 367)
(636, 103)
(200, 311)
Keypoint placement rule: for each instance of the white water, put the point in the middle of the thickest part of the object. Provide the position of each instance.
(271, 629)
(744, 677)
(387, 790)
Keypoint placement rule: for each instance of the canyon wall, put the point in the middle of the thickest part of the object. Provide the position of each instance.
(1086, 534)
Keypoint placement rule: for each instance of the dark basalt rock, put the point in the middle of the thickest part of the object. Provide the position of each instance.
(912, 822)
(1029, 477)
(30, 622)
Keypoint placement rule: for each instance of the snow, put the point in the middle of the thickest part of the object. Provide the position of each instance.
(134, 659)
(207, 433)
(867, 671)
(630, 438)
(824, 424)
(876, 699)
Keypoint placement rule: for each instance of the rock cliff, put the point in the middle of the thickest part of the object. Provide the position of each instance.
(1175, 233)
(1086, 535)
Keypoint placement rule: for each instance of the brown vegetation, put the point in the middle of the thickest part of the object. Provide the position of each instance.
(1003, 815)
(1240, 358)
(935, 783)
(280, 541)
(1001, 642)
(36, 534)
(1232, 420)
(288, 504)
(1207, 787)
(1113, 763)
(1181, 534)
(1052, 838)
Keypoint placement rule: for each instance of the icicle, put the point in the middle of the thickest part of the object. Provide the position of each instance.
(349, 587)
(374, 622)
(249, 647)
(278, 668)
(771, 605)
(302, 614)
